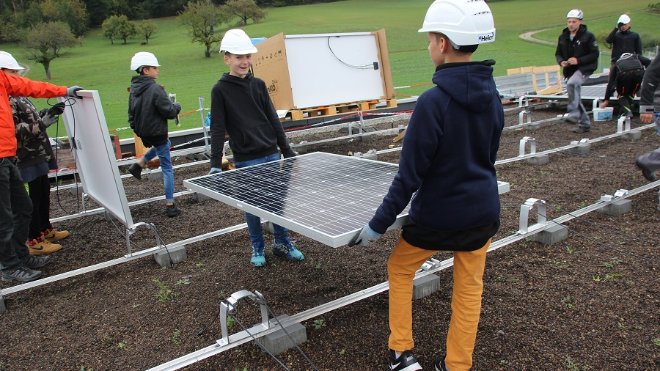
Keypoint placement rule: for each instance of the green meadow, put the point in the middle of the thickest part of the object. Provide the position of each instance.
(98, 64)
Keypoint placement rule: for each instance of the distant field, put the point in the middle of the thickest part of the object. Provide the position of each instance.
(97, 64)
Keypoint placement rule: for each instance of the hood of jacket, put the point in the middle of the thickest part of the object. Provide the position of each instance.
(140, 84)
(470, 84)
(244, 82)
(582, 29)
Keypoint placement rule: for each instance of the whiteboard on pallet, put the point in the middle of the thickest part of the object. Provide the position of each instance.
(94, 153)
(328, 69)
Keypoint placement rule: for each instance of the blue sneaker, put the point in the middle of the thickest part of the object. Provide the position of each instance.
(258, 258)
(288, 251)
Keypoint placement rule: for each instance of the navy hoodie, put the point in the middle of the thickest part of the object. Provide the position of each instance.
(447, 164)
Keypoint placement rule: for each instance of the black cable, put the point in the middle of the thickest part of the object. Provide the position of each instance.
(359, 67)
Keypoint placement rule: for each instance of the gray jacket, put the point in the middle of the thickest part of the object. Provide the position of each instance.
(650, 92)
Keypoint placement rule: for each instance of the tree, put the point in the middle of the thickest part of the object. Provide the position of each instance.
(245, 10)
(146, 29)
(118, 27)
(203, 17)
(73, 12)
(45, 42)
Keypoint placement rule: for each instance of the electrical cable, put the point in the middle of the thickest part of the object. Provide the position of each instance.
(370, 66)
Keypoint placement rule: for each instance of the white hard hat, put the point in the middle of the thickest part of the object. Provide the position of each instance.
(236, 41)
(464, 22)
(575, 13)
(9, 62)
(143, 59)
(625, 19)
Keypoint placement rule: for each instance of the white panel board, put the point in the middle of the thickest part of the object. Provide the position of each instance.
(333, 68)
(94, 154)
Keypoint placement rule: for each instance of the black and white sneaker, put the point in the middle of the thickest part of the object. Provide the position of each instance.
(405, 362)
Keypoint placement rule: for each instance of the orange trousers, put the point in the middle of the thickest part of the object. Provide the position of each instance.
(465, 300)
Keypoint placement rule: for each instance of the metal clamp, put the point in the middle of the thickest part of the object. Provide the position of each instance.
(523, 101)
(521, 117)
(523, 226)
(623, 124)
(523, 142)
(229, 306)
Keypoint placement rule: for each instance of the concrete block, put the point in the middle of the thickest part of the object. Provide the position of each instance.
(538, 160)
(633, 135)
(172, 255)
(582, 148)
(556, 233)
(425, 286)
(3, 307)
(281, 340)
(616, 208)
(503, 187)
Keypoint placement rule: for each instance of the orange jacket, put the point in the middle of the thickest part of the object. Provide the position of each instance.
(12, 85)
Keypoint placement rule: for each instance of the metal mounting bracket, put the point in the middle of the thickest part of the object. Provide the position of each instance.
(229, 306)
(525, 208)
(523, 143)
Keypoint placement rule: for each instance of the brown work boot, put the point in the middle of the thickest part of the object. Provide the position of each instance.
(40, 246)
(53, 235)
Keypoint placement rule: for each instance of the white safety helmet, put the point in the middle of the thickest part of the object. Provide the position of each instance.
(236, 41)
(624, 19)
(575, 13)
(464, 22)
(9, 62)
(141, 59)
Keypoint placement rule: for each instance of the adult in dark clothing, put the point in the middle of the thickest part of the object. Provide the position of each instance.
(149, 108)
(626, 77)
(623, 39)
(577, 54)
(649, 107)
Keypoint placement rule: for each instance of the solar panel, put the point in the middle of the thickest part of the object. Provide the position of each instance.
(323, 196)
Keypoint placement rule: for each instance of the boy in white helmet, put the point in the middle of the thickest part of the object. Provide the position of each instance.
(149, 108)
(577, 53)
(241, 107)
(448, 163)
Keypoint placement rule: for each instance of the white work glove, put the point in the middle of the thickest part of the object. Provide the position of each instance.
(365, 237)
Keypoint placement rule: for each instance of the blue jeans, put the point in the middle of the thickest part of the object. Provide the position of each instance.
(254, 222)
(15, 214)
(163, 153)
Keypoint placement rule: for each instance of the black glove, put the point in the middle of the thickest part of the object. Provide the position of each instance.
(618, 25)
(287, 153)
(56, 110)
(72, 91)
(177, 107)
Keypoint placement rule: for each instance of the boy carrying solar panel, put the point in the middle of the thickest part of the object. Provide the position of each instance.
(447, 161)
(241, 107)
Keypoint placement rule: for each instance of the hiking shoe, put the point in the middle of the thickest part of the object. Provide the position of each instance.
(405, 362)
(34, 262)
(39, 246)
(646, 171)
(20, 274)
(135, 170)
(440, 364)
(581, 129)
(53, 235)
(258, 259)
(288, 251)
(172, 211)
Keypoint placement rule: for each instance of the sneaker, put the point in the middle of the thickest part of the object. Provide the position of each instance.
(571, 118)
(172, 211)
(581, 129)
(53, 235)
(34, 262)
(405, 362)
(20, 274)
(258, 259)
(440, 365)
(135, 170)
(288, 251)
(646, 171)
(39, 246)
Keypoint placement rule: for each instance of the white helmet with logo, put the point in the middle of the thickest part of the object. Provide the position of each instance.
(575, 13)
(236, 41)
(464, 22)
(624, 19)
(8, 61)
(141, 59)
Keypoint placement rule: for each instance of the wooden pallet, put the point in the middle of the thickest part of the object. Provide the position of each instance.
(336, 109)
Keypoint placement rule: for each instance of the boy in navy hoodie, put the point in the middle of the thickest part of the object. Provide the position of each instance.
(241, 107)
(448, 163)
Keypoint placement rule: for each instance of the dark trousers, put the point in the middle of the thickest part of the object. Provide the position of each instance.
(40, 196)
(15, 214)
(627, 85)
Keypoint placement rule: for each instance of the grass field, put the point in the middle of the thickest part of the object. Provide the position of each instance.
(97, 64)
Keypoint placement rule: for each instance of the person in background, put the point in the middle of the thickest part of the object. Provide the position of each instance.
(577, 54)
(626, 77)
(149, 108)
(448, 164)
(649, 107)
(241, 107)
(623, 39)
(15, 205)
(35, 158)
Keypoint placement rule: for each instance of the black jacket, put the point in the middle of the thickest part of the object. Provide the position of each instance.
(241, 107)
(584, 47)
(626, 76)
(149, 108)
(624, 42)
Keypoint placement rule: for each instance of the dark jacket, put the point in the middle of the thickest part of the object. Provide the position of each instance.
(447, 164)
(650, 92)
(584, 47)
(626, 76)
(624, 42)
(241, 107)
(33, 144)
(149, 108)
